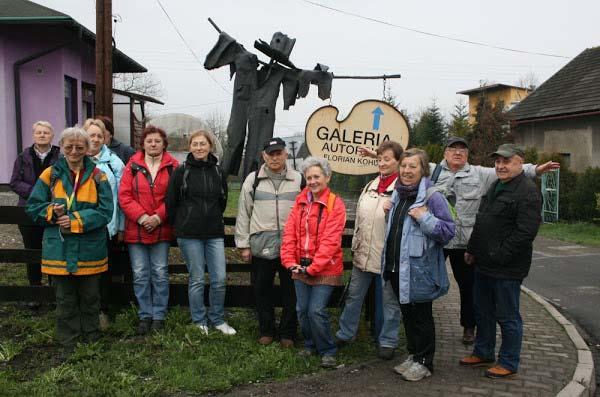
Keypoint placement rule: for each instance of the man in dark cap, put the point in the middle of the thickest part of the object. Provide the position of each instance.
(464, 184)
(500, 250)
(266, 199)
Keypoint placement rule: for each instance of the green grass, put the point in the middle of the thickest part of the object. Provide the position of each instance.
(232, 202)
(178, 361)
(579, 233)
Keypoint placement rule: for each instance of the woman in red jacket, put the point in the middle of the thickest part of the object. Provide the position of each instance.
(148, 234)
(312, 250)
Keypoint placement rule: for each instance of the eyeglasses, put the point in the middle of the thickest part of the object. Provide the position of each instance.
(460, 150)
(70, 148)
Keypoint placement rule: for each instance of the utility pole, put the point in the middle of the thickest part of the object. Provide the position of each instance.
(104, 58)
(293, 143)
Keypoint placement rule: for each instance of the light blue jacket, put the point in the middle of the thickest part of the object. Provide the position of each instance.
(422, 268)
(109, 163)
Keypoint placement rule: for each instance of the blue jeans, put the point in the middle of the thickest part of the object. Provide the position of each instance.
(311, 306)
(497, 300)
(350, 317)
(149, 263)
(200, 255)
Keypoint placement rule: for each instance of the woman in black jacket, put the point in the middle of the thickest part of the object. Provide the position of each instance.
(196, 199)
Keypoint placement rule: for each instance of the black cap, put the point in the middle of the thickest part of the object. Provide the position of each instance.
(508, 150)
(456, 139)
(274, 144)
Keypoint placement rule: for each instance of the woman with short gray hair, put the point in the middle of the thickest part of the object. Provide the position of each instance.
(312, 250)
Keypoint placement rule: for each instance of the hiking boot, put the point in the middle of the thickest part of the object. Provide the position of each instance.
(341, 342)
(306, 352)
(416, 372)
(468, 336)
(328, 362)
(499, 372)
(402, 368)
(286, 343)
(203, 328)
(385, 353)
(103, 321)
(144, 326)
(226, 329)
(474, 361)
(265, 340)
(157, 325)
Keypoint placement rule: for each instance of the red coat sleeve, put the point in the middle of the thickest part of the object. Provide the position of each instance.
(330, 239)
(289, 244)
(127, 200)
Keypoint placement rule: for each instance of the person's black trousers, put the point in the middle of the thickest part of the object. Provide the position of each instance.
(419, 327)
(32, 239)
(464, 276)
(263, 275)
(114, 252)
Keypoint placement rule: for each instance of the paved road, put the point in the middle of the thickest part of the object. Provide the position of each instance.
(568, 275)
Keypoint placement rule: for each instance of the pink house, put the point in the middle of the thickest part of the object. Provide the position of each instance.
(47, 72)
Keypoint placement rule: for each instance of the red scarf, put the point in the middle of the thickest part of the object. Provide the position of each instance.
(385, 182)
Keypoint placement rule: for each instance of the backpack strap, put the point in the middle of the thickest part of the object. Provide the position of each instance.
(255, 183)
(436, 173)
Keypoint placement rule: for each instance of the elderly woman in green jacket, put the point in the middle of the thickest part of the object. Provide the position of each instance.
(72, 199)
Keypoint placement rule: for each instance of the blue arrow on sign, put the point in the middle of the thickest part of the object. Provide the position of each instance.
(377, 113)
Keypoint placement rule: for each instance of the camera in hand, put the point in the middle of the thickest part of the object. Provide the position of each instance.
(305, 262)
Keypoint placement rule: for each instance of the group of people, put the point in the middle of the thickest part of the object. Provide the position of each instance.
(409, 220)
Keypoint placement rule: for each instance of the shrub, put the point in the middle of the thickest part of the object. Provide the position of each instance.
(583, 203)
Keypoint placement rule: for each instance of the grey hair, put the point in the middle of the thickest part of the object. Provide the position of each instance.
(74, 132)
(316, 162)
(42, 123)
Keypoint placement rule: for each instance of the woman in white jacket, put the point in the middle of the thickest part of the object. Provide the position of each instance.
(367, 245)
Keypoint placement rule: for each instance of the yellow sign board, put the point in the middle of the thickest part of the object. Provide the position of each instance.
(370, 123)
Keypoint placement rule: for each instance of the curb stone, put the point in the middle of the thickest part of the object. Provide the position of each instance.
(583, 383)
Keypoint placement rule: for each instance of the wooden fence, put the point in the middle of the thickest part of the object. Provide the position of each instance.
(121, 292)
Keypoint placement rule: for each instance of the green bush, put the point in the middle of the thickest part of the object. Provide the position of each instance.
(434, 152)
(583, 205)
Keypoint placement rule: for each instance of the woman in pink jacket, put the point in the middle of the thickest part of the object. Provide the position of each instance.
(312, 251)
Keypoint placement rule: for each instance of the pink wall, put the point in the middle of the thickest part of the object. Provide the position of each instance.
(42, 83)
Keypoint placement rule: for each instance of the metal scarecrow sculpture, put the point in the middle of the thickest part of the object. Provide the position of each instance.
(256, 88)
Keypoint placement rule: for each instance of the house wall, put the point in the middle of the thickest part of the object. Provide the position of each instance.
(42, 83)
(578, 137)
(507, 95)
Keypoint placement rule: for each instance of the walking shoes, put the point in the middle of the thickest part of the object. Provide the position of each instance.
(416, 372)
(499, 372)
(474, 361)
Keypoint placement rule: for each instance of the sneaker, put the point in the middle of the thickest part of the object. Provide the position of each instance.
(226, 329)
(144, 326)
(286, 343)
(385, 353)
(328, 362)
(499, 372)
(203, 328)
(157, 325)
(103, 321)
(265, 340)
(468, 336)
(401, 369)
(474, 361)
(306, 352)
(416, 372)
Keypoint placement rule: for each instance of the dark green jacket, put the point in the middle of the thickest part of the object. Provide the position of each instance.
(505, 227)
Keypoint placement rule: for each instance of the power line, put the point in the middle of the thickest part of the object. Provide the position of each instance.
(477, 43)
(189, 47)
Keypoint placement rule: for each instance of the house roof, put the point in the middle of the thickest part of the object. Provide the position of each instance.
(28, 12)
(490, 87)
(573, 89)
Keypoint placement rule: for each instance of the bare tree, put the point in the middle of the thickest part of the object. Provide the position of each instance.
(216, 123)
(529, 80)
(140, 83)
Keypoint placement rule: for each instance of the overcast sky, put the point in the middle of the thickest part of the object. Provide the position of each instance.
(431, 67)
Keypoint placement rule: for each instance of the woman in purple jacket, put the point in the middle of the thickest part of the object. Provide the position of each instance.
(28, 167)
